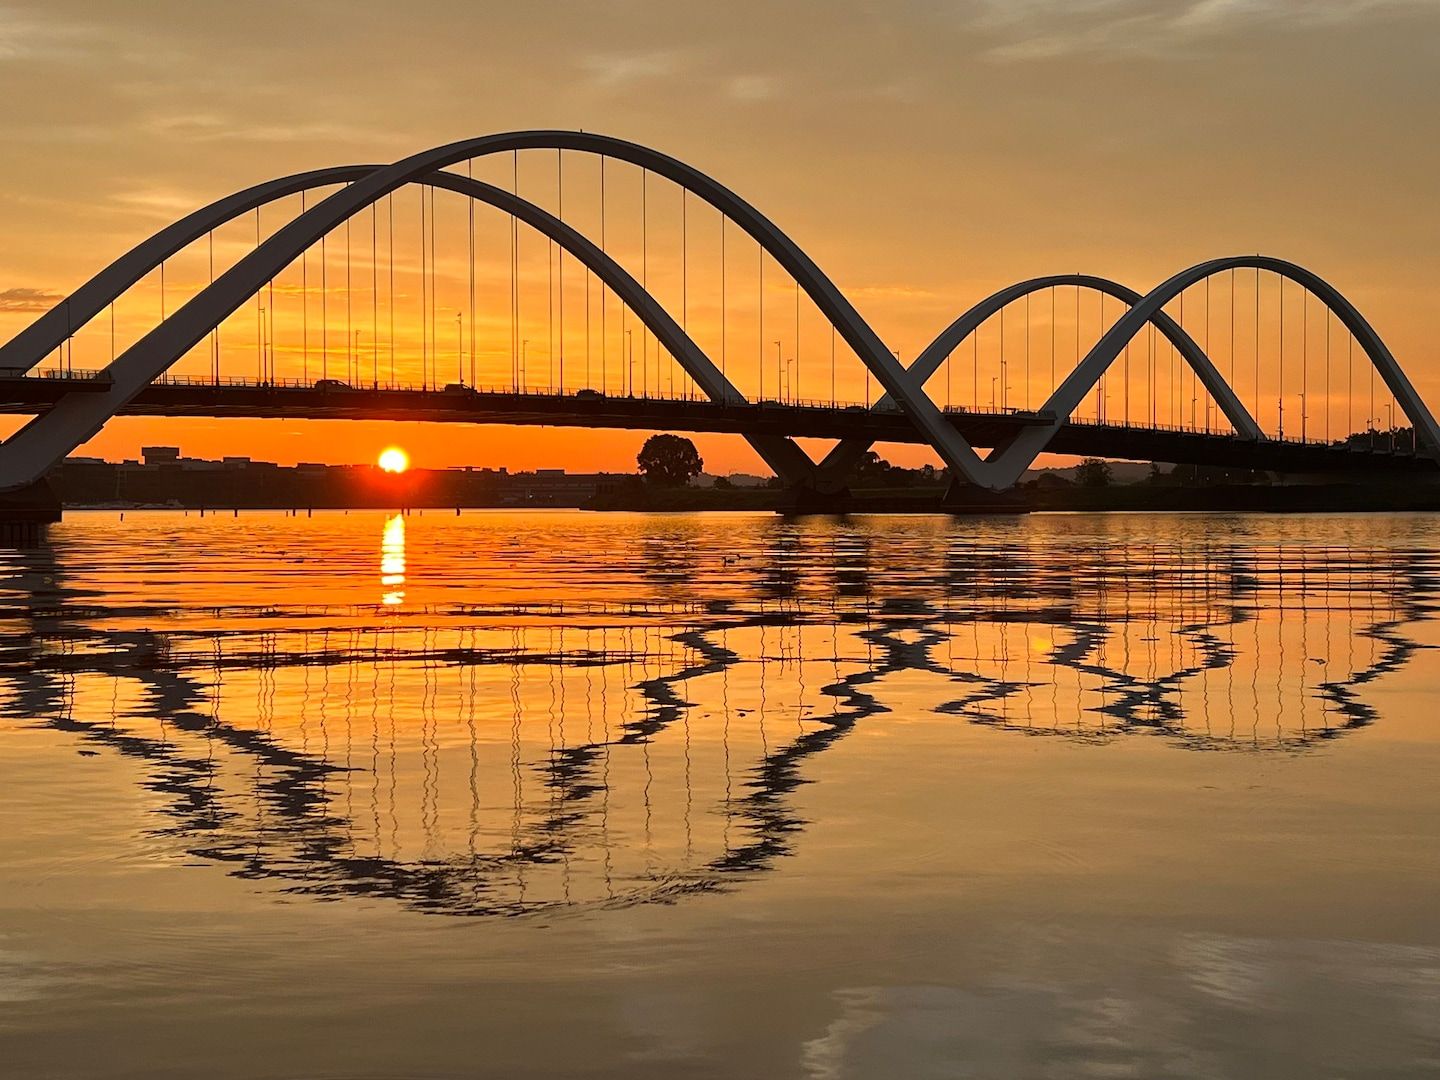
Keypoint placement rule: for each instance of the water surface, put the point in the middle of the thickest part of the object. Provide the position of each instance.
(514, 794)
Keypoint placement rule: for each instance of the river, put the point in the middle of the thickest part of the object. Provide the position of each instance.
(522, 794)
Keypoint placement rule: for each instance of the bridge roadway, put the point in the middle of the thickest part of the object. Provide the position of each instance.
(177, 396)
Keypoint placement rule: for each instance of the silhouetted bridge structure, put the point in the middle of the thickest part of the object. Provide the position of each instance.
(688, 332)
(236, 398)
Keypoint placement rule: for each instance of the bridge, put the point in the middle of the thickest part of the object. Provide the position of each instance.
(688, 310)
(885, 422)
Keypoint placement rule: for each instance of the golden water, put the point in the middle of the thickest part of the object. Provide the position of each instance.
(513, 794)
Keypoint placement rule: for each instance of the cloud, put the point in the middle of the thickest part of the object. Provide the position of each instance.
(25, 38)
(1158, 1017)
(1046, 29)
(160, 204)
(211, 127)
(692, 68)
(23, 299)
(613, 70)
(752, 88)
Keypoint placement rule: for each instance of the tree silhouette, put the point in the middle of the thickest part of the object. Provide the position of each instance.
(1093, 473)
(669, 460)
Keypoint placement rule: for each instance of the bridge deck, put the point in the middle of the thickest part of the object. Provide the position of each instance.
(177, 397)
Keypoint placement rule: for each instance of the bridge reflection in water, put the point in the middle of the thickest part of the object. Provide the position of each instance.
(514, 758)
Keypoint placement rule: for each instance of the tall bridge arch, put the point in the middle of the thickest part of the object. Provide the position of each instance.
(844, 456)
(75, 417)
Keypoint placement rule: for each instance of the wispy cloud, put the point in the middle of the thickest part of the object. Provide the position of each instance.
(641, 70)
(162, 204)
(213, 127)
(752, 88)
(24, 37)
(23, 299)
(1045, 29)
(614, 70)
(891, 292)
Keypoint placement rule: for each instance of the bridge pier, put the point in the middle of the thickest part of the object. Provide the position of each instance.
(966, 498)
(802, 499)
(26, 512)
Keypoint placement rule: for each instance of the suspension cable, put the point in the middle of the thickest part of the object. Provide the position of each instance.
(374, 296)
(324, 309)
(470, 175)
(390, 261)
(424, 299)
(1280, 365)
(604, 289)
(645, 279)
(560, 213)
(349, 330)
(515, 276)
(1304, 360)
(304, 294)
(724, 310)
(215, 332)
(684, 267)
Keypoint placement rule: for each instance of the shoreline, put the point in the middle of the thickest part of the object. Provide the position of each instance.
(1296, 499)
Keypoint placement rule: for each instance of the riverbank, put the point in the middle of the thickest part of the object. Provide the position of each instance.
(1326, 498)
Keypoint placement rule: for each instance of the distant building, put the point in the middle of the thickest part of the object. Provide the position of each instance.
(556, 487)
(167, 479)
(747, 480)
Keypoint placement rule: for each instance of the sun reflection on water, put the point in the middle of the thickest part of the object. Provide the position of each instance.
(392, 561)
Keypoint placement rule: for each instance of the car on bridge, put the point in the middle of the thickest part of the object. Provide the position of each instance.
(589, 395)
(331, 384)
(458, 388)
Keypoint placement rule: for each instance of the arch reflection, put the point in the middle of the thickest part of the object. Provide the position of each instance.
(503, 759)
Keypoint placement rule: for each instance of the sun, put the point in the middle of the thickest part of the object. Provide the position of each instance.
(393, 460)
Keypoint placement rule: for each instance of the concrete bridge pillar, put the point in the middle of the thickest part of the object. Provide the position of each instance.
(25, 513)
(817, 499)
(963, 497)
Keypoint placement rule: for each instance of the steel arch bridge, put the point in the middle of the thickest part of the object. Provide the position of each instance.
(70, 406)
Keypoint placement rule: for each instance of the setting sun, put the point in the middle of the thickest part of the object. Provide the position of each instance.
(393, 460)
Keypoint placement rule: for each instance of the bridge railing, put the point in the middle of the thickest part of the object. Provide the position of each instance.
(55, 374)
(339, 386)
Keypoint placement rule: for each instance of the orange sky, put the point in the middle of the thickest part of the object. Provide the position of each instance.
(924, 154)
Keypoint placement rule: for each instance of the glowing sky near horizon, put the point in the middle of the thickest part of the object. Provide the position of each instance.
(923, 153)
